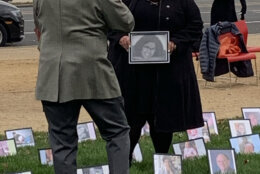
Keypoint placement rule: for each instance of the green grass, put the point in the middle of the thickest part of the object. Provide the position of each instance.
(94, 153)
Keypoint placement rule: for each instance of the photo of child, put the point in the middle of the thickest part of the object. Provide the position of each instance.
(190, 149)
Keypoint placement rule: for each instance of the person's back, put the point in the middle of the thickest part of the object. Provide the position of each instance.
(224, 10)
(74, 71)
(73, 41)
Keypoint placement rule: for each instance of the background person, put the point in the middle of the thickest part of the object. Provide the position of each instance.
(74, 71)
(165, 95)
(224, 10)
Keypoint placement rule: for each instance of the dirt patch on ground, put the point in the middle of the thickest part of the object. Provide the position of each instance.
(18, 107)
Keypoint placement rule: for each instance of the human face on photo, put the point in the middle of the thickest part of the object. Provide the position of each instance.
(222, 162)
(148, 50)
(241, 128)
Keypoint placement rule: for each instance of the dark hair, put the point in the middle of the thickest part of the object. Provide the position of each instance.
(159, 51)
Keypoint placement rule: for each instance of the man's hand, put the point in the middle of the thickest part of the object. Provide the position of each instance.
(125, 42)
(37, 33)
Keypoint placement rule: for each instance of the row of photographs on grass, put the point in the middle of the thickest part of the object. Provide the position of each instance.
(220, 161)
(86, 131)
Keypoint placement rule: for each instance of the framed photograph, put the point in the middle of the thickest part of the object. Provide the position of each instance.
(240, 127)
(22, 137)
(201, 132)
(46, 157)
(210, 118)
(167, 164)
(190, 149)
(7, 148)
(28, 172)
(103, 169)
(137, 154)
(86, 131)
(222, 161)
(253, 114)
(145, 130)
(149, 47)
(246, 144)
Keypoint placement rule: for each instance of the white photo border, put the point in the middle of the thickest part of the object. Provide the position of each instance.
(233, 156)
(215, 121)
(20, 129)
(148, 33)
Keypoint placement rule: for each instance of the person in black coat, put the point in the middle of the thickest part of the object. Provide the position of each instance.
(224, 10)
(165, 95)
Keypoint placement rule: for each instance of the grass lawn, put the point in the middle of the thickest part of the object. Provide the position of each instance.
(93, 153)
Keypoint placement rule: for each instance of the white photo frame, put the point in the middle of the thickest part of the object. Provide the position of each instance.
(86, 131)
(222, 161)
(201, 132)
(23, 137)
(149, 47)
(253, 114)
(7, 148)
(210, 118)
(145, 130)
(164, 162)
(190, 149)
(102, 169)
(46, 156)
(137, 153)
(247, 144)
(240, 127)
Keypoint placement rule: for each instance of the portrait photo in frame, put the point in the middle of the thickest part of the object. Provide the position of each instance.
(23, 137)
(149, 47)
(102, 169)
(201, 132)
(246, 144)
(240, 127)
(137, 155)
(86, 131)
(222, 161)
(166, 163)
(253, 114)
(7, 148)
(27, 172)
(190, 149)
(210, 118)
(46, 156)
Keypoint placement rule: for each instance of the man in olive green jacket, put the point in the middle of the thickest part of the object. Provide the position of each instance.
(74, 71)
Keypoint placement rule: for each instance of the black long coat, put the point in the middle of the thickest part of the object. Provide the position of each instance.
(224, 10)
(177, 104)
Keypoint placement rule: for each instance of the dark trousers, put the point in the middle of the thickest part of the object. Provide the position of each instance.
(110, 119)
(161, 140)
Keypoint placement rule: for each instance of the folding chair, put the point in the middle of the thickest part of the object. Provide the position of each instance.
(237, 57)
(242, 26)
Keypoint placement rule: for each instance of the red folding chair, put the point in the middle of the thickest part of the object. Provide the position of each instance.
(238, 56)
(242, 26)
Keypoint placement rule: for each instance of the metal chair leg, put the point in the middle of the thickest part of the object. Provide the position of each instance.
(256, 74)
(229, 75)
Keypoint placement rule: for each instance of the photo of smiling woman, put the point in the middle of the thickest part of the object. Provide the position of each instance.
(148, 48)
